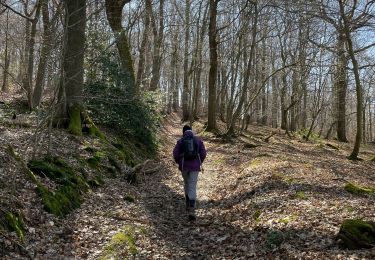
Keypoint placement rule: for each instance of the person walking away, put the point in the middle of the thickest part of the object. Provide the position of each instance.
(189, 152)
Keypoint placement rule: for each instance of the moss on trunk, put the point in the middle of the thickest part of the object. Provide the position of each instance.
(75, 126)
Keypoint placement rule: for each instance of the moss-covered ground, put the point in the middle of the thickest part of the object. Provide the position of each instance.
(357, 234)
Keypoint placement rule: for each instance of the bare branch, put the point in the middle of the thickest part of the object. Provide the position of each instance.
(16, 12)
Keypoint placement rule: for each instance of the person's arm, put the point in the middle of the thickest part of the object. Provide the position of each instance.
(176, 152)
(202, 151)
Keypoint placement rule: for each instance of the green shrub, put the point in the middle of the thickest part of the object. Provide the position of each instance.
(112, 102)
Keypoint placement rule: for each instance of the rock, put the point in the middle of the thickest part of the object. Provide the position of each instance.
(356, 234)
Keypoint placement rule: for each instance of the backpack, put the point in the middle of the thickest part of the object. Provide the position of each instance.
(189, 148)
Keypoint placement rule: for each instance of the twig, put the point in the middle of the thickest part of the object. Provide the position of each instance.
(16, 12)
(267, 139)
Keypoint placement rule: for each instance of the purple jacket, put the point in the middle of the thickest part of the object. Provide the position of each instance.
(193, 165)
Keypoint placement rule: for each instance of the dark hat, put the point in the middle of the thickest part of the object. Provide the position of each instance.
(185, 128)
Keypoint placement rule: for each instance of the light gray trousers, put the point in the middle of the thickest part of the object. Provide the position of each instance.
(190, 184)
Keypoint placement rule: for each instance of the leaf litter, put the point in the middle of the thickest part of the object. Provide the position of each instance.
(284, 199)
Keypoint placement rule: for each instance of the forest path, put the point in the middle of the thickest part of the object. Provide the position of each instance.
(279, 200)
(157, 220)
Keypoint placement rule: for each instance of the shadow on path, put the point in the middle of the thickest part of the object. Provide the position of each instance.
(211, 236)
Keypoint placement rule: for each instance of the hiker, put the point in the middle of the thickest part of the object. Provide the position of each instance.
(189, 153)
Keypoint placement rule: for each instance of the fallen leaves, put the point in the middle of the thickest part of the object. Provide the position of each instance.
(281, 199)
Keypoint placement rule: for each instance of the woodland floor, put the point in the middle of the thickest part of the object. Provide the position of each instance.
(284, 199)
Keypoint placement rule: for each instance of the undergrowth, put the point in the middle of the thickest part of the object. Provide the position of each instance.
(113, 102)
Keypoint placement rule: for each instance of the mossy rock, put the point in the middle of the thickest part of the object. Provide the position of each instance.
(60, 202)
(95, 182)
(112, 170)
(129, 198)
(300, 195)
(94, 131)
(357, 234)
(68, 194)
(274, 239)
(359, 190)
(114, 163)
(93, 162)
(122, 243)
(56, 170)
(373, 159)
(132, 178)
(13, 222)
(89, 149)
(124, 153)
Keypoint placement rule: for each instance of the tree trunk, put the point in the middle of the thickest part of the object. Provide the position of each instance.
(284, 111)
(72, 64)
(157, 56)
(370, 119)
(174, 81)
(304, 105)
(185, 90)
(247, 72)
(212, 38)
(264, 117)
(358, 87)
(145, 39)
(293, 111)
(223, 94)
(198, 70)
(5, 87)
(114, 16)
(25, 58)
(44, 55)
(27, 84)
(341, 88)
(275, 96)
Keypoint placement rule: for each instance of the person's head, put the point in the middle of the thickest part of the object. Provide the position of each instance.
(185, 128)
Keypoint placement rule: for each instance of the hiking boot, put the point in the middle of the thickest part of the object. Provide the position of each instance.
(191, 211)
(187, 204)
(191, 215)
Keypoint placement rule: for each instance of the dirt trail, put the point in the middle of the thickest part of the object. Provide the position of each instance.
(283, 199)
(286, 193)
